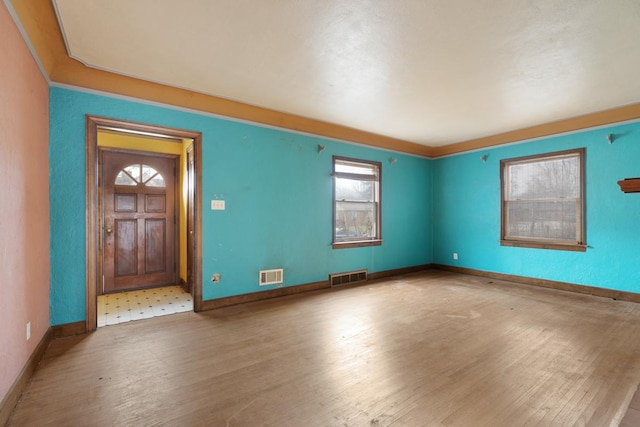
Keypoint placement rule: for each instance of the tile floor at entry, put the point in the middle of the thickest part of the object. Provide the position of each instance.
(142, 304)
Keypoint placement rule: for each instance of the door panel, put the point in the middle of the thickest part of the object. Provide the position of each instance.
(126, 251)
(155, 239)
(155, 203)
(139, 214)
(125, 203)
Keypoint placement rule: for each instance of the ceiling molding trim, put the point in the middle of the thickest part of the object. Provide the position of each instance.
(221, 117)
(75, 74)
(575, 124)
(539, 138)
(25, 37)
(38, 19)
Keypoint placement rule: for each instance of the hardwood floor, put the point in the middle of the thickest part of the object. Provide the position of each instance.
(427, 349)
(632, 417)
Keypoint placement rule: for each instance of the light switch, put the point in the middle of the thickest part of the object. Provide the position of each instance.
(217, 205)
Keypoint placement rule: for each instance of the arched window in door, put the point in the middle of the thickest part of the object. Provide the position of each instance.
(137, 174)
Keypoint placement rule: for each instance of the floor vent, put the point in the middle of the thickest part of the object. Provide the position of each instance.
(350, 277)
(271, 277)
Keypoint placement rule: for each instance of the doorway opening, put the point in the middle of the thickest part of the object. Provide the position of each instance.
(127, 306)
(143, 220)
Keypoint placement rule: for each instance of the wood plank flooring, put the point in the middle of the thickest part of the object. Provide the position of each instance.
(427, 349)
(632, 417)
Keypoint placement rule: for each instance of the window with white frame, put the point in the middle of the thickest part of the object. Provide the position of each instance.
(356, 203)
(543, 201)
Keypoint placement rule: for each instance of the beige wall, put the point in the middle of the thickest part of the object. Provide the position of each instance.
(24, 202)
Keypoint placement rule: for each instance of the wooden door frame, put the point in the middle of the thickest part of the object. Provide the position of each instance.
(190, 177)
(93, 232)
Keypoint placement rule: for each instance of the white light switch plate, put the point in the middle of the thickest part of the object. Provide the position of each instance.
(217, 205)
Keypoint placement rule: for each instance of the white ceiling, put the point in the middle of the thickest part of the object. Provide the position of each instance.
(431, 72)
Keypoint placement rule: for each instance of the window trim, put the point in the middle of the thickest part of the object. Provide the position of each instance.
(580, 245)
(351, 243)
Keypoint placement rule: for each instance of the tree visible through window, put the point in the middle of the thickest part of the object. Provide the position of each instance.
(542, 201)
(356, 204)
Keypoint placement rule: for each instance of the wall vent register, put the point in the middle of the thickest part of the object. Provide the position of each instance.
(349, 277)
(271, 277)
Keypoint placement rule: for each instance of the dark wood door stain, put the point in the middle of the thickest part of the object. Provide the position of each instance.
(139, 220)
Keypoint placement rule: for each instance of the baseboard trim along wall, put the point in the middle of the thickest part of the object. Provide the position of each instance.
(292, 290)
(69, 329)
(13, 395)
(78, 328)
(212, 304)
(398, 271)
(562, 286)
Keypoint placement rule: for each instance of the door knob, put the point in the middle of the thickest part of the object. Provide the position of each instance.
(109, 230)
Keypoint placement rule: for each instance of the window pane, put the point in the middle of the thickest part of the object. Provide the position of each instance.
(542, 201)
(352, 189)
(134, 174)
(152, 177)
(356, 203)
(124, 179)
(347, 167)
(543, 219)
(545, 179)
(156, 181)
(134, 171)
(355, 220)
(147, 172)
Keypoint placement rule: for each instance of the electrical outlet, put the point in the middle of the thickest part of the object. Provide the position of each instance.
(217, 205)
(455, 255)
(28, 331)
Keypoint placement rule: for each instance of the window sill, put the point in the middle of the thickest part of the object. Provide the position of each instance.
(540, 245)
(357, 244)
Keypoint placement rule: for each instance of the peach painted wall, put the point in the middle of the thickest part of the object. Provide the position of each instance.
(24, 202)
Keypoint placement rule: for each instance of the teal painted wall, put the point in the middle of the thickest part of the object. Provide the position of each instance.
(466, 202)
(277, 189)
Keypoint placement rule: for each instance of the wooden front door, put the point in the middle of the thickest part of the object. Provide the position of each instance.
(138, 200)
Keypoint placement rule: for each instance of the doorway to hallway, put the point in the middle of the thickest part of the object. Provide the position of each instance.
(134, 244)
(139, 220)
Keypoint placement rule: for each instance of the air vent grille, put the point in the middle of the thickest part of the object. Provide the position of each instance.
(271, 277)
(349, 277)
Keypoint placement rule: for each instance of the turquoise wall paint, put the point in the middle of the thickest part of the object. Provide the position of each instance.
(467, 212)
(277, 189)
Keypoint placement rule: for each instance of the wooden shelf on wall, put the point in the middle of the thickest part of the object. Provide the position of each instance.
(630, 185)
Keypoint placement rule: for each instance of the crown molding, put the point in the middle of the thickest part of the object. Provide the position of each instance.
(39, 26)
